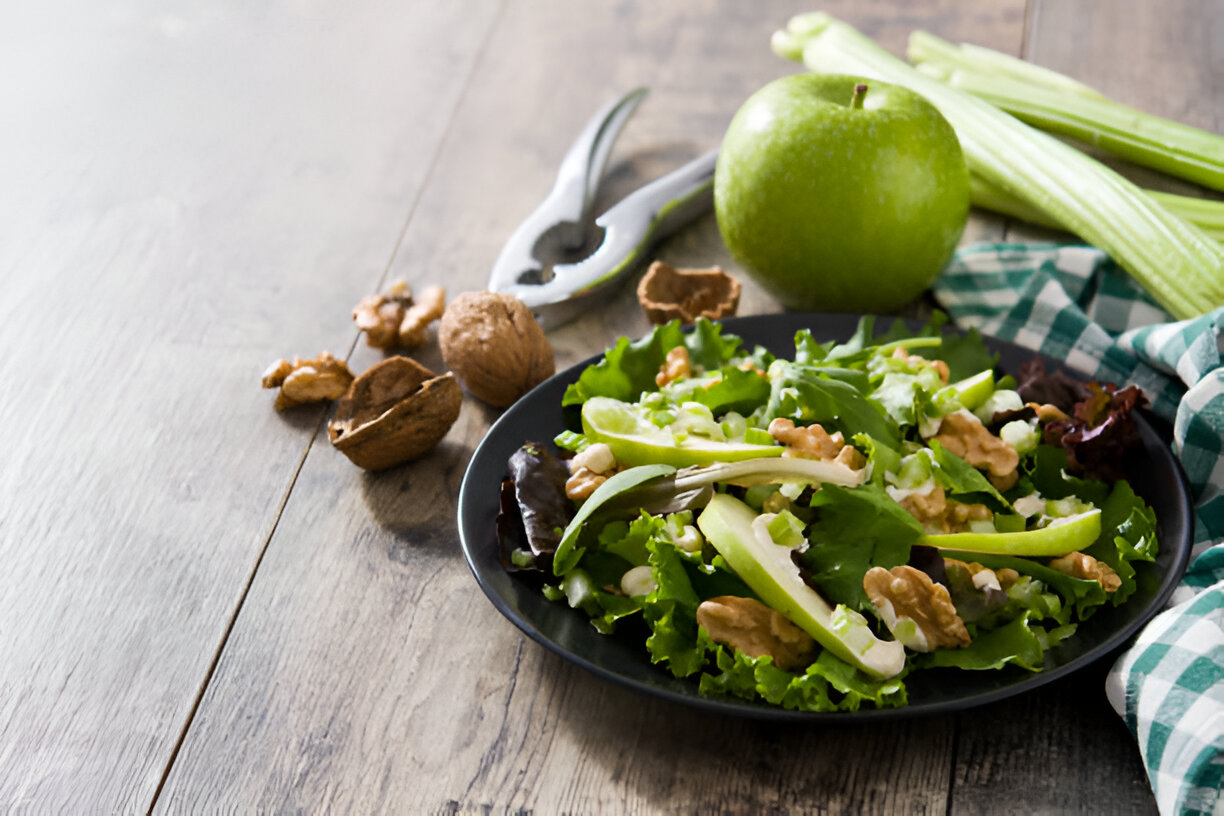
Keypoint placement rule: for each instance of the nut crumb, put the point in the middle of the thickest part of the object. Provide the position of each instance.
(908, 594)
(756, 629)
(304, 381)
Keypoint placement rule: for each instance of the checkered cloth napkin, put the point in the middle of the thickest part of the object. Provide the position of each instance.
(1074, 304)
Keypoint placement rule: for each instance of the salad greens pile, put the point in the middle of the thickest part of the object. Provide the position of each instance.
(939, 518)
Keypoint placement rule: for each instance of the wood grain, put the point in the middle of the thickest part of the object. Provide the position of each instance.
(366, 671)
(190, 193)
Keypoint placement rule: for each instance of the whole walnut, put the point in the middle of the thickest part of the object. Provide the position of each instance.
(495, 346)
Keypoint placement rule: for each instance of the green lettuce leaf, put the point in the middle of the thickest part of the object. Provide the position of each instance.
(800, 394)
(963, 480)
(829, 684)
(1128, 533)
(628, 369)
(1081, 594)
(671, 612)
(855, 529)
(1013, 643)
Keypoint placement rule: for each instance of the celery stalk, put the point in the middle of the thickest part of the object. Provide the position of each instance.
(1176, 262)
(1041, 101)
(927, 49)
(1206, 214)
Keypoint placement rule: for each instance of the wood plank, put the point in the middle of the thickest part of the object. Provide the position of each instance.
(366, 671)
(190, 193)
(1157, 58)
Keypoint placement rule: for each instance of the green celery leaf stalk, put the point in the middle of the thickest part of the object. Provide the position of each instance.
(1175, 261)
(927, 49)
(1170, 147)
(1206, 214)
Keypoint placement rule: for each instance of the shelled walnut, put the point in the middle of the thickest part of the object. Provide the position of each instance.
(495, 346)
(396, 411)
(304, 381)
(397, 320)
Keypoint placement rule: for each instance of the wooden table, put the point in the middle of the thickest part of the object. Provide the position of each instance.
(205, 606)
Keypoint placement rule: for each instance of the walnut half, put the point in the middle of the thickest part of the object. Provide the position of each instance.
(304, 381)
(756, 630)
(918, 611)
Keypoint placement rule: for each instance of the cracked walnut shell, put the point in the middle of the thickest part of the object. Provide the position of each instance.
(495, 346)
(395, 412)
(667, 293)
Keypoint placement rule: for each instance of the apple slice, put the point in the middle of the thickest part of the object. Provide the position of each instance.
(635, 441)
(1064, 535)
(742, 538)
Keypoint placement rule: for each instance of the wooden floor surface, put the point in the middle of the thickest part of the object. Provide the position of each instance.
(205, 606)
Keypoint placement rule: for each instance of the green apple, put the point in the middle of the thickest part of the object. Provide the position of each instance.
(838, 193)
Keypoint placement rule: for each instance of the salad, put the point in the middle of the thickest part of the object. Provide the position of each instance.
(809, 531)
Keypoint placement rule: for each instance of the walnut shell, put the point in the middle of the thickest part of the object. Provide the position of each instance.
(667, 293)
(397, 411)
(495, 346)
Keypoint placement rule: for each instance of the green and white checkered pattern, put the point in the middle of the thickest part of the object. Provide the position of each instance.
(1073, 303)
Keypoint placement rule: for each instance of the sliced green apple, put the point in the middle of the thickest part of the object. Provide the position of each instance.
(634, 440)
(1062, 536)
(975, 390)
(743, 539)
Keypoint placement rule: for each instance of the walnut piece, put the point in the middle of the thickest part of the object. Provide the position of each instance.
(904, 594)
(397, 411)
(429, 306)
(667, 293)
(380, 316)
(676, 366)
(938, 514)
(395, 320)
(1081, 565)
(808, 442)
(582, 483)
(495, 346)
(304, 381)
(756, 630)
(964, 434)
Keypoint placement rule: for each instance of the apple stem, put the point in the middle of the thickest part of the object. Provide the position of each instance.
(860, 91)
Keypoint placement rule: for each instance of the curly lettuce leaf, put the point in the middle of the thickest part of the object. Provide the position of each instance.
(1013, 643)
(1128, 533)
(1081, 594)
(628, 369)
(829, 684)
(671, 612)
(855, 529)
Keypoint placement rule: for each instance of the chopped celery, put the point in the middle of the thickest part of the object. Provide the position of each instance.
(1171, 147)
(1179, 265)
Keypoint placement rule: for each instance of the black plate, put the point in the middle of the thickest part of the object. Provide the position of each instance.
(538, 417)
